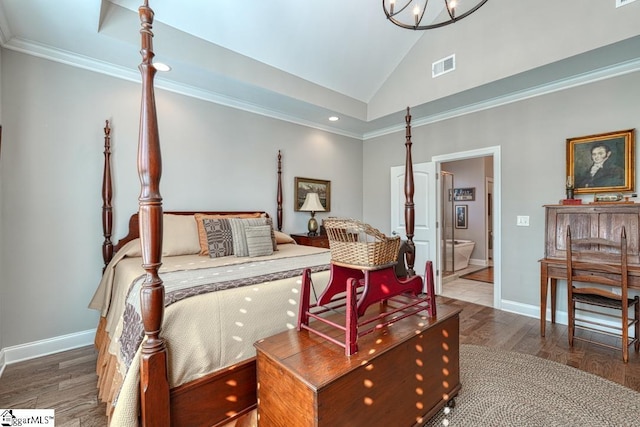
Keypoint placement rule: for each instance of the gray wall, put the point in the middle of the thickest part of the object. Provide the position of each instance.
(214, 158)
(503, 38)
(532, 136)
(51, 170)
(1, 210)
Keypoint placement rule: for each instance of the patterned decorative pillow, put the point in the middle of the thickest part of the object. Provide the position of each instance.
(259, 241)
(239, 236)
(269, 222)
(202, 234)
(219, 237)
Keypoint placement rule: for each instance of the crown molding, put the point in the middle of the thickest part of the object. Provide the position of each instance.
(556, 86)
(91, 64)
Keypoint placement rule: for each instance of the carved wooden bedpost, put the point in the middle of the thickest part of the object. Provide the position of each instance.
(279, 195)
(154, 383)
(409, 207)
(107, 192)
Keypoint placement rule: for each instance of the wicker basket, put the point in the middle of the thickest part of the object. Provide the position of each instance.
(355, 243)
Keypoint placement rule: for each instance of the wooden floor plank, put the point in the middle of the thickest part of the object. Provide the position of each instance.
(67, 382)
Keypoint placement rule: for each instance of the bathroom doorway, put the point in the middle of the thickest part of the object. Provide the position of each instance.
(469, 214)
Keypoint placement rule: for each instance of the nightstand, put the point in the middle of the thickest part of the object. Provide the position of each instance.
(319, 241)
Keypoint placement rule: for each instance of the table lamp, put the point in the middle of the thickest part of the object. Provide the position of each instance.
(312, 204)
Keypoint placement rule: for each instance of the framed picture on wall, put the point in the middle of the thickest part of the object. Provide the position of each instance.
(602, 163)
(461, 216)
(464, 194)
(302, 186)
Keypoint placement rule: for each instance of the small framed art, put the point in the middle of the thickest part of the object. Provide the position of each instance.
(461, 216)
(464, 194)
(302, 186)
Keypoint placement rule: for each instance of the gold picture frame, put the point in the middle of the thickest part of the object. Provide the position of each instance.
(302, 186)
(602, 163)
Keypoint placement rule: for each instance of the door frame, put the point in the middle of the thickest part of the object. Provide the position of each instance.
(496, 211)
(488, 186)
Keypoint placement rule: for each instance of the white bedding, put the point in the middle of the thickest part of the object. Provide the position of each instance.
(207, 332)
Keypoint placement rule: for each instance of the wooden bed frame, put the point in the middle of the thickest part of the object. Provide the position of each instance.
(226, 395)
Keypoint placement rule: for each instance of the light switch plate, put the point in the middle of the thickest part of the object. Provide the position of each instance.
(522, 221)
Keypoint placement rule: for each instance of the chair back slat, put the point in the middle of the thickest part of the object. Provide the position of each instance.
(597, 281)
(598, 261)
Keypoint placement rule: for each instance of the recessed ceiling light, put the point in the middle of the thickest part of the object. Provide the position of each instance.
(161, 66)
(334, 118)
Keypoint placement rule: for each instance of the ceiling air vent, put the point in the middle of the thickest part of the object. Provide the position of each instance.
(623, 2)
(445, 65)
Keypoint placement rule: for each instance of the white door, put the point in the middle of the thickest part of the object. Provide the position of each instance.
(424, 198)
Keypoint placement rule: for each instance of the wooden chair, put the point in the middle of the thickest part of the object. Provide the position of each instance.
(602, 265)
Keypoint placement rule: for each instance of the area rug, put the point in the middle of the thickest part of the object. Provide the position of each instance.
(501, 388)
(484, 275)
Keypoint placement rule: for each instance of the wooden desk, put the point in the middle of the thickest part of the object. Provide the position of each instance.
(402, 375)
(593, 220)
(553, 269)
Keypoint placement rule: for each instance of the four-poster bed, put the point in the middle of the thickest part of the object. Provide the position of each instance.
(214, 395)
(225, 372)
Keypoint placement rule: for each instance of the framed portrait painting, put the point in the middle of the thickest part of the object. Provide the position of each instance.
(461, 216)
(302, 186)
(602, 163)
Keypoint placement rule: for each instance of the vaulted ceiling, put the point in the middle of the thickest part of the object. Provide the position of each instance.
(304, 61)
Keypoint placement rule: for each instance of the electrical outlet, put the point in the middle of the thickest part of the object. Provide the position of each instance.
(522, 220)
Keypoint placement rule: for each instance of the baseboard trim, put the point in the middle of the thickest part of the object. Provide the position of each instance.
(473, 261)
(41, 348)
(532, 311)
(2, 362)
(523, 309)
(562, 317)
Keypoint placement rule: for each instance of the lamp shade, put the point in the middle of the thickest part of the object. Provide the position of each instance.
(312, 203)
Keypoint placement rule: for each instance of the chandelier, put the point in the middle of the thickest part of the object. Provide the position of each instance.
(428, 14)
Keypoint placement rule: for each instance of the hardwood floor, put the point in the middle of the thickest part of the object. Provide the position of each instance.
(67, 381)
(64, 381)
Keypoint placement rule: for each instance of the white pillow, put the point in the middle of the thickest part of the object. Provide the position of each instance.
(179, 235)
(282, 238)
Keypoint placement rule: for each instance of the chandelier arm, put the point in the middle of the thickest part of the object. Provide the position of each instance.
(424, 9)
(431, 26)
(469, 12)
(450, 10)
(389, 15)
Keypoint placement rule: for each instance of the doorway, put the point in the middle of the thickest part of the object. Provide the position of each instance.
(484, 209)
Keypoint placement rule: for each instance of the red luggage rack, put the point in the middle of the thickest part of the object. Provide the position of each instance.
(362, 274)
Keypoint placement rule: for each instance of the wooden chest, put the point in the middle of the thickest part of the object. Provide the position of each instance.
(401, 376)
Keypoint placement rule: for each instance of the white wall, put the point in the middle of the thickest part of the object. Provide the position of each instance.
(532, 135)
(214, 158)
